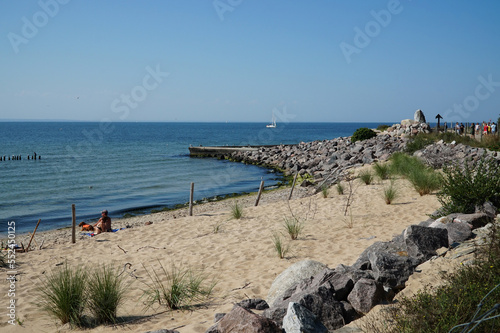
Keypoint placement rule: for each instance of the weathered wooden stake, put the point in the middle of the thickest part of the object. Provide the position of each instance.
(260, 192)
(73, 225)
(33, 235)
(191, 200)
(293, 185)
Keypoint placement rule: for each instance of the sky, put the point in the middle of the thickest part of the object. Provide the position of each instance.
(242, 60)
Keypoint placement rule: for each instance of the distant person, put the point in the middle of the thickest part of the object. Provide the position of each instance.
(104, 223)
(493, 128)
(462, 129)
(472, 129)
(457, 128)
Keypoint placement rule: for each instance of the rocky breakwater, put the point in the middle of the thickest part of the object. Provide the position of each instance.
(324, 161)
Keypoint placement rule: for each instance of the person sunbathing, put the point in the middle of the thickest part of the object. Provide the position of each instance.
(104, 223)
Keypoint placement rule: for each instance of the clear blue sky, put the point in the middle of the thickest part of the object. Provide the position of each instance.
(238, 60)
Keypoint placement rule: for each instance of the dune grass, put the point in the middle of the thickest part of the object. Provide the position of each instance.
(293, 226)
(366, 177)
(236, 211)
(390, 193)
(324, 191)
(382, 170)
(180, 288)
(63, 294)
(280, 247)
(340, 188)
(106, 294)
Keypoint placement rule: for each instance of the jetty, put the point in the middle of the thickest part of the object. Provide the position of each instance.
(221, 151)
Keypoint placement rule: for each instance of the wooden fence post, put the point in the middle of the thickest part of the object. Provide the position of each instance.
(73, 226)
(191, 194)
(260, 192)
(293, 185)
(33, 235)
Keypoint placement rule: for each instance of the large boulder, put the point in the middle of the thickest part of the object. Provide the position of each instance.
(299, 319)
(317, 294)
(292, 276)
(240, 320)
(419, 116)
(365, 295)
(422, 242)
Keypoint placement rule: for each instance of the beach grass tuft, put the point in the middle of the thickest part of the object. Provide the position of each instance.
(180, 288)
(279, 246)
(293, 226)
(340, 188)
(382, 170)
(366, 177)
(390, 193)
(236, 211)
(106, 294)
(63, 294)
(324, 191)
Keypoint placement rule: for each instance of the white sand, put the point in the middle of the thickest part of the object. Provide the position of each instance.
(240, 256)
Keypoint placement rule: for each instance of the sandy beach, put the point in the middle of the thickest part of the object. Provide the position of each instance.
(240, 255)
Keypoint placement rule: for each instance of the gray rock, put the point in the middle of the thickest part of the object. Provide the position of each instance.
(422, 242)
(292, 276)
(253, 303)
(419, 116)
(299, 319)
(365, 295)
(240, 320)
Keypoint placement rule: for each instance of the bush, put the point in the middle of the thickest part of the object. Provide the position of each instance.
(363, 133)
(382, 128)
(63, 294)
(390, 193)
(469, 185)
(418, 142)
(179, 288)
(106, 294)
(340, 188)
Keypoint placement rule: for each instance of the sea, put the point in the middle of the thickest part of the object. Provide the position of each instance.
(130, 168)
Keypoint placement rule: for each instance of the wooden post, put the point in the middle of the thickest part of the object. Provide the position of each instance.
(33, 235)
(191, 194)
(293, 184)
(73, 225)
(260, 192)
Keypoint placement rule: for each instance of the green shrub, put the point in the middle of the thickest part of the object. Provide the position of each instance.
(106, 294)
(470, 184)
(363, 133)
(382, 128)
(402, 164)
(63, 294)
(420, 141)
(340, 188)
(179, 288)
(366, 177)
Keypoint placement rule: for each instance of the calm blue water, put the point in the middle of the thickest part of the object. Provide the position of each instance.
(129, 167)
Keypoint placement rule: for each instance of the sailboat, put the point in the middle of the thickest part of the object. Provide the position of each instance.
(273, 122)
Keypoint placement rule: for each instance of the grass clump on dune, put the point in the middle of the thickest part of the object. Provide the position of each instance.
(236, 211)
(178, 288)
(106, 294)
(366, 177)
(382, 170)
(63, 294)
